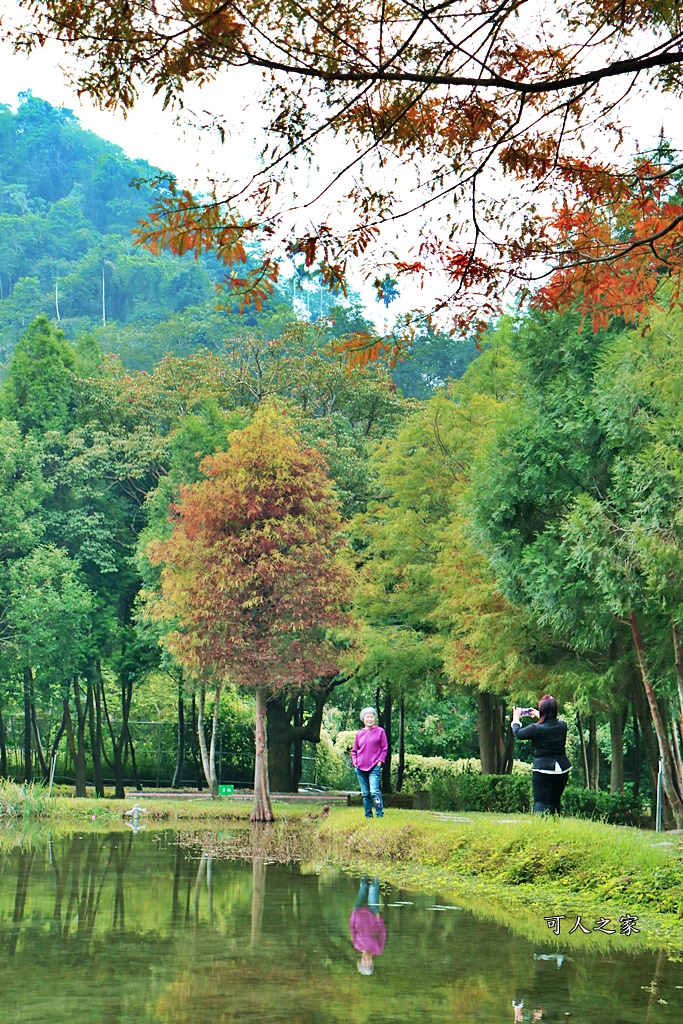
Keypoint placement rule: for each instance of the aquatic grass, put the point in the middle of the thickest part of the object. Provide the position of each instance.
(168, 811)
(27, 800)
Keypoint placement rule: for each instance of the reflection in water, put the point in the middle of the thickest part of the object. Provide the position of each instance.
(547, 999)
(134, 814)
(368, 930)
(258, 895)
(121, 929)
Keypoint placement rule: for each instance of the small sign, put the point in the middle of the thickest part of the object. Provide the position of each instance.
(226, 790)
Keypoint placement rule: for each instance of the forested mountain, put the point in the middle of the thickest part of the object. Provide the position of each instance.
(68, 203)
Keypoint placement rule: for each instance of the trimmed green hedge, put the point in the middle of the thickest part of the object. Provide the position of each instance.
(614, 808)
(468, 791)
(511, 794)
(421, 772)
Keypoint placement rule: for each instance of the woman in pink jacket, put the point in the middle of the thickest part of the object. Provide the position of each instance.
(368, 755)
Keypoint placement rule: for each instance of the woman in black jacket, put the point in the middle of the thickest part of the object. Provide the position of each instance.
(551, 767)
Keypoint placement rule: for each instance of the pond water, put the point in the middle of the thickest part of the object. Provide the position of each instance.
(123, 928)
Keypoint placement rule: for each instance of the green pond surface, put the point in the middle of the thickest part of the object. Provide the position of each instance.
(121, 927)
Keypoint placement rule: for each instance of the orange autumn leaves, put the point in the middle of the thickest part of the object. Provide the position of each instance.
(251, 576)
(619, 237)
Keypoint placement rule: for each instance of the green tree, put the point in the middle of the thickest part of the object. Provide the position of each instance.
(40, 390)
(22, 491)
(250, 577)
(404, 540)
(553, 502)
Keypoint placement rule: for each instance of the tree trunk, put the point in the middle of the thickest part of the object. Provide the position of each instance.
(669, 780)
(485, 731)
(678, 660)
(593, 753)
(201, 735)
(584, 753)
(385, 722)
(128, 738)
(507, 742)
(648, 741)
(82, 718)
(3, 750)
(637, 753)
(95, 723)
(401, 744)
(117, 746)
(676, 747)
(28, 695)
(212, 745)
(58, 737)
(44, 770)
(281, 735)
(262, 810)
(180, 752)
(194, 743)
(209, 753)
(616, 732)
(286, 727)
(76, 739)
(298, 756)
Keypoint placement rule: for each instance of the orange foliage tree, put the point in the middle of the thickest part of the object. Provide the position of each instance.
(252, 578)
(493, 128)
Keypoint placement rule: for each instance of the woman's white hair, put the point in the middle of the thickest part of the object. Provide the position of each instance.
(367, 711)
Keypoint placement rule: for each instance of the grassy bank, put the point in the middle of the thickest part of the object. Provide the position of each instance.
(525, 868)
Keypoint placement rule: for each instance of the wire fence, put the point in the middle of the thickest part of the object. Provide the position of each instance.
(156, 751)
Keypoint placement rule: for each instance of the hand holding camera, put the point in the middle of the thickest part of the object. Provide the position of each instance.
(524, 713)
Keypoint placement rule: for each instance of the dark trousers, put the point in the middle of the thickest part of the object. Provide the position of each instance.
(547, 792)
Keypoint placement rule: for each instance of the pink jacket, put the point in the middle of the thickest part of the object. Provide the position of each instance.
(369, 748)
(368, 931)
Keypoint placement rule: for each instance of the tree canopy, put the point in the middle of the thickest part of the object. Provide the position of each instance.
(482, 116)
(251, 580)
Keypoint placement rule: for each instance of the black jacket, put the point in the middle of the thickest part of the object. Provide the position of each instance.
(549, 741)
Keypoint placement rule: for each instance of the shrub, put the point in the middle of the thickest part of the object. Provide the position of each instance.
(420, 771)
(614, 808)
(344, 742)
(333, 768)
(470, 791)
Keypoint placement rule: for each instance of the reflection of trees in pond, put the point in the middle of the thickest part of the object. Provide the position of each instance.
(111, 933)
(258, 895)
(204, 874)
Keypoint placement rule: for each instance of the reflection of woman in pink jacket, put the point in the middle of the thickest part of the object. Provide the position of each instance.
(368, 930)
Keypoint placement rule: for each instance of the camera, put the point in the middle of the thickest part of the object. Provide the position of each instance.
(527, 711)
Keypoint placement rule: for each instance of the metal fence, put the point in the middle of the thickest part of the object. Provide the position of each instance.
(155, 745)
